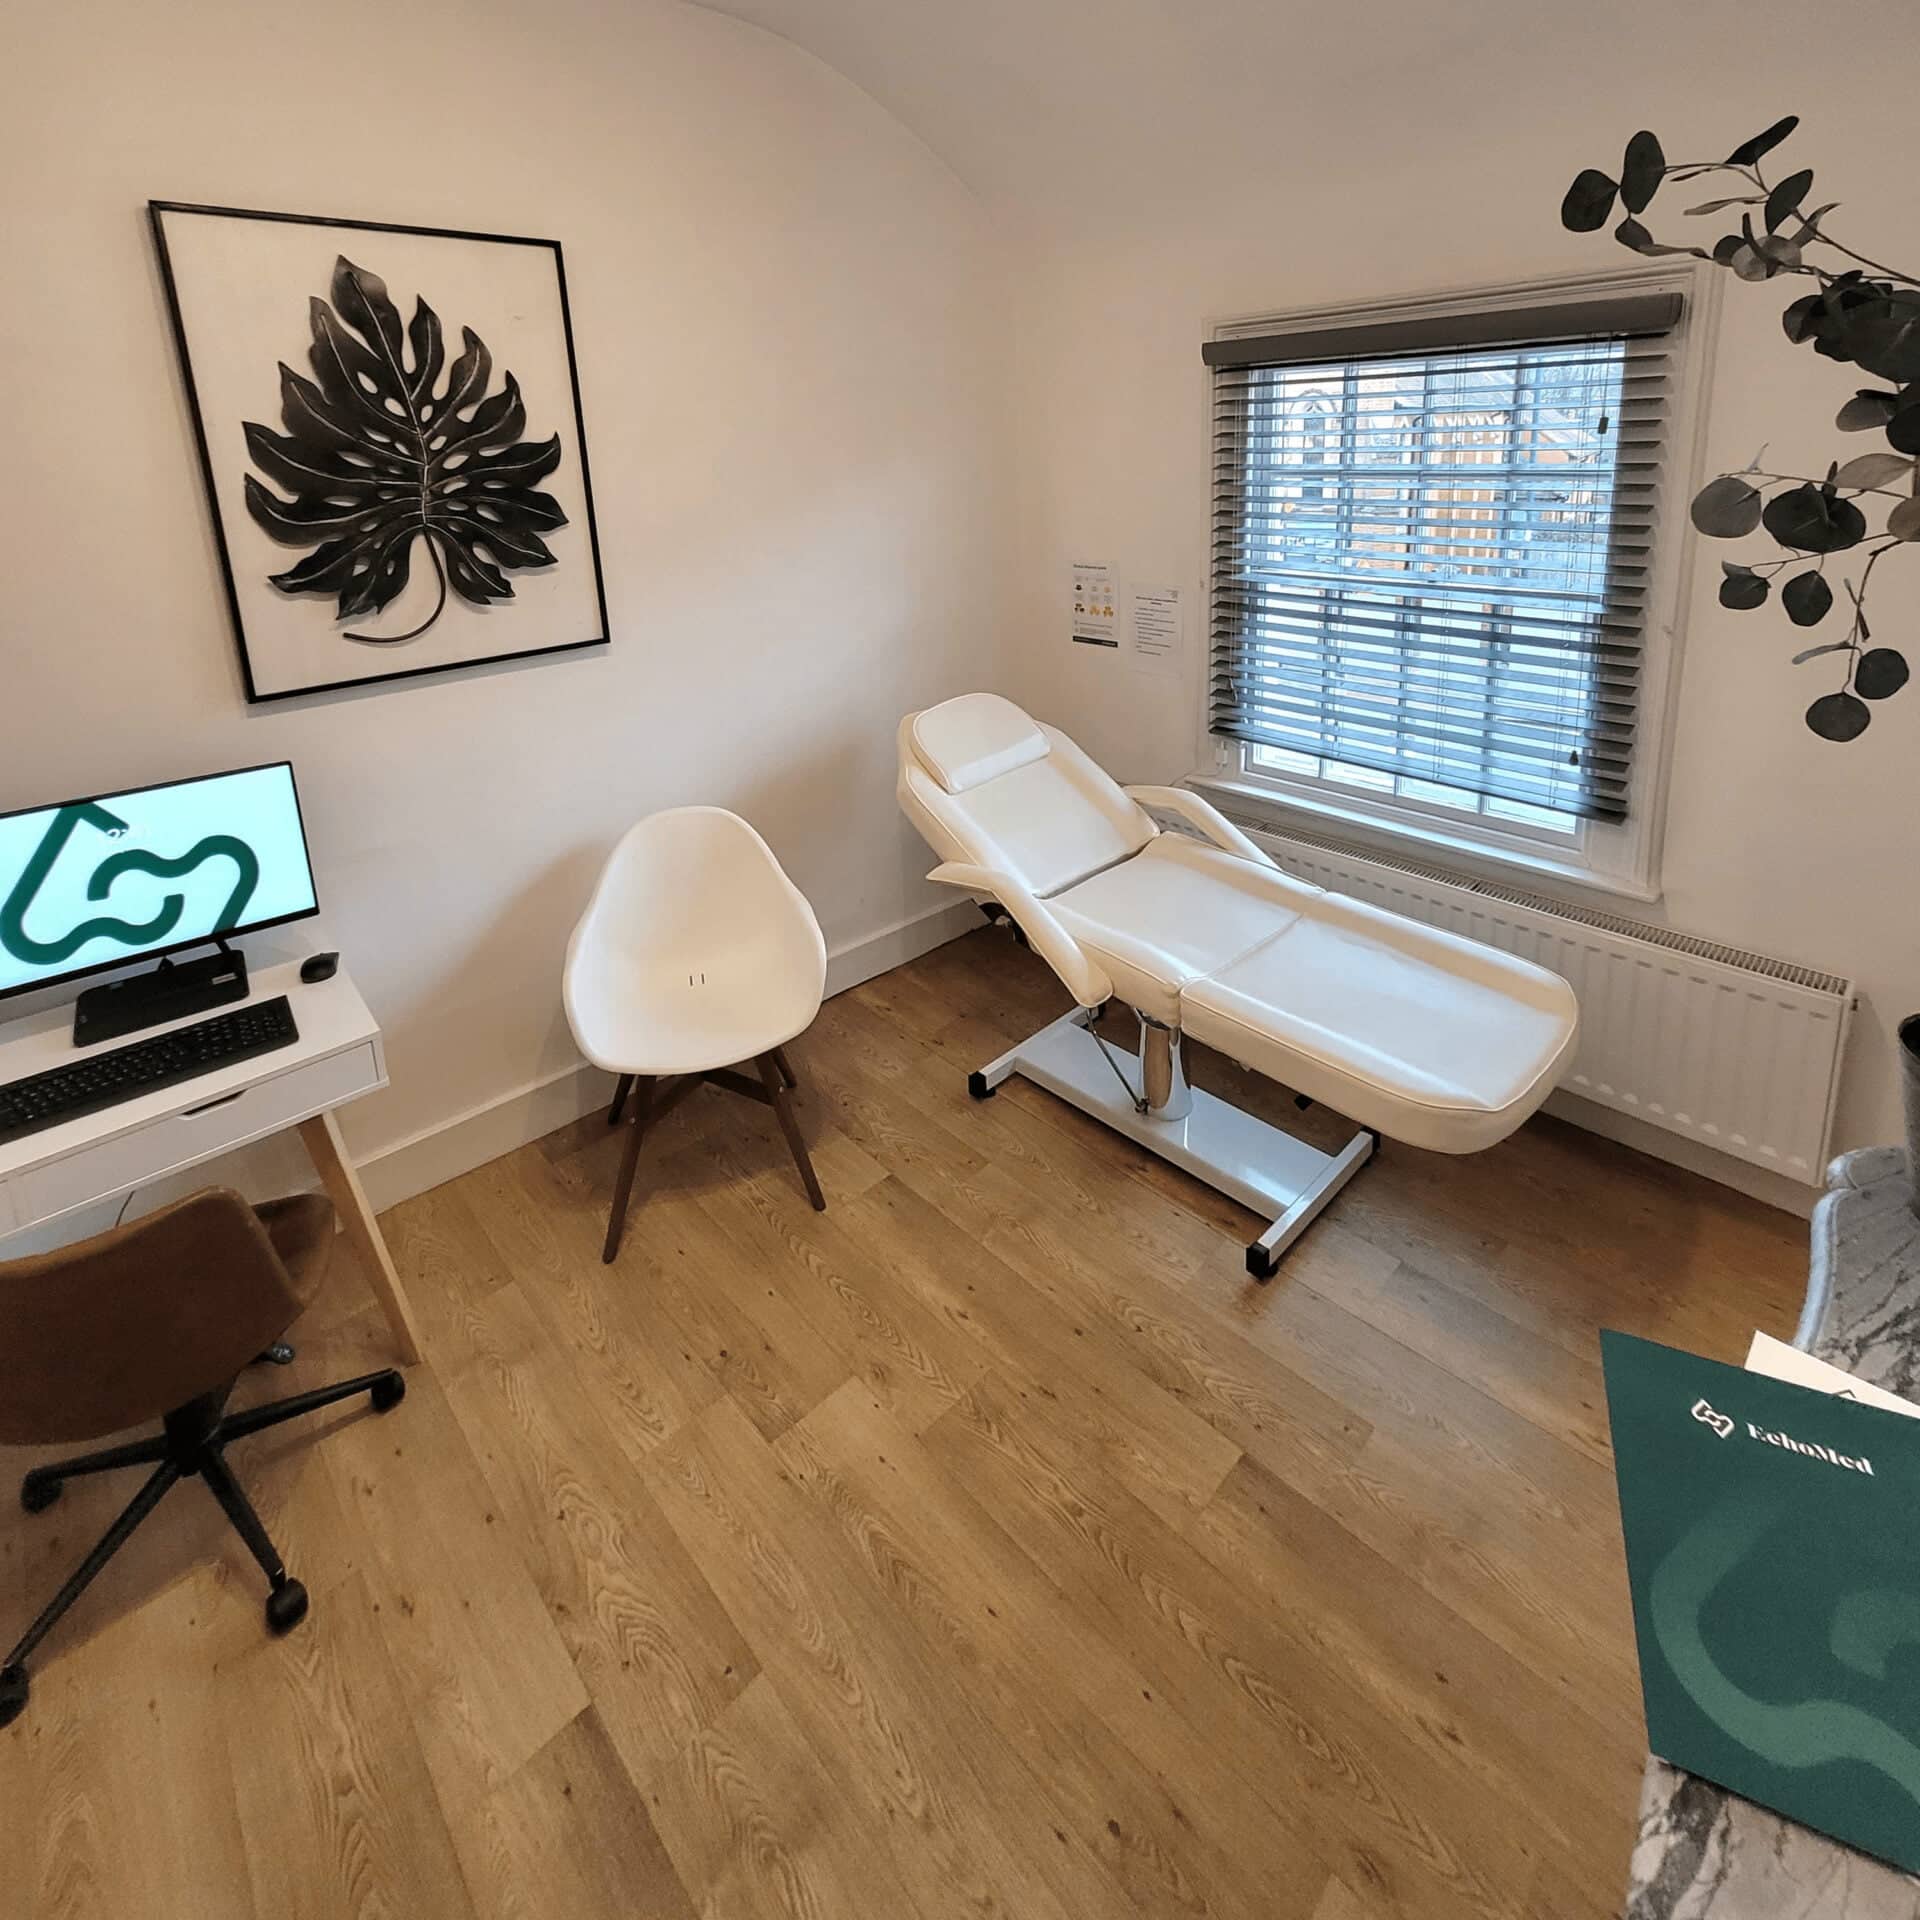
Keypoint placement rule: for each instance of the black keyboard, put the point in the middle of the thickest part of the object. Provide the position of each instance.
(124, 1073)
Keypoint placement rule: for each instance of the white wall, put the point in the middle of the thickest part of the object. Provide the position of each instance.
(1776, 840)
(787, 315)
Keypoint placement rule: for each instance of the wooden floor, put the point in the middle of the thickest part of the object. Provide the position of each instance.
(988, 1545)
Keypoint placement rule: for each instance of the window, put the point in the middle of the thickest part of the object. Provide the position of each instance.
(1434, 566)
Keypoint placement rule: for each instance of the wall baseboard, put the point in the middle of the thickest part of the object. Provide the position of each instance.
(443, 1152)
(1659, 1143)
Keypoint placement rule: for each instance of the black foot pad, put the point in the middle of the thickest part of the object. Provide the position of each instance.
(286, 1607)
(13, 1694)
(1260, 1263)
(37, 1495)
(977, 1086)
(388, 1391)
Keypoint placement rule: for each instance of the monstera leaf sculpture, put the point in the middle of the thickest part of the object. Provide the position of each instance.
(379, 454)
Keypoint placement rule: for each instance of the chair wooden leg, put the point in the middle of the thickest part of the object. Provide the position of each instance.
(621, 1088)
(785, 1065)
(777, 1100)
(629, 1160)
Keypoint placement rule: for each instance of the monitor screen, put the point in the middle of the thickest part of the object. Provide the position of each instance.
(97, 883)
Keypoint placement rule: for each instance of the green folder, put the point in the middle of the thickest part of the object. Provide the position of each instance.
(1773, 1546)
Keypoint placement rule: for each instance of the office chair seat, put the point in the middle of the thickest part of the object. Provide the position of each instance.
(154, 1321)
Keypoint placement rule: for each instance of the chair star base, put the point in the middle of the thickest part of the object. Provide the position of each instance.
(194, 1443)
(1266, 1170)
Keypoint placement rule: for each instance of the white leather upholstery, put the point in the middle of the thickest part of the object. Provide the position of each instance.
(975, 738)
(1048, 820)
(1437, 1041)
(695, 951)
(1175, 914)
(1424, 1036)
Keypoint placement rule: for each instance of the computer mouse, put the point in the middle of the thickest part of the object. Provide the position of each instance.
(319, 966)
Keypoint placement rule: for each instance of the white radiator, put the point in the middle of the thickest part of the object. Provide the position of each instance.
(1730, 1048)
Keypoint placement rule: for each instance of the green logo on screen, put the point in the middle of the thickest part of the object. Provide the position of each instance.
(132, 934)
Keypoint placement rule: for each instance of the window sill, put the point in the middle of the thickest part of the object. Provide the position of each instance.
(1430, 841)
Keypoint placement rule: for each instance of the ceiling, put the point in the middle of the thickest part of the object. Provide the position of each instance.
(1066, 114)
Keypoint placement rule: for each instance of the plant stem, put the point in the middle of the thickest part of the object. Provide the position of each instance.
(394, 639)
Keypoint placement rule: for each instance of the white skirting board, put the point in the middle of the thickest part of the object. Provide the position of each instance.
(468, 1140)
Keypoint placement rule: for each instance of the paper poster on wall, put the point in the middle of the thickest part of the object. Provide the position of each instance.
(1156, 630)
(1094, 619)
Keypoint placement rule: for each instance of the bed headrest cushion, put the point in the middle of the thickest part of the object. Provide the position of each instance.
(968, 741)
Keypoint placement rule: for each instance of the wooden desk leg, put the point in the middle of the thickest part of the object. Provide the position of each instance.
(322, 1137)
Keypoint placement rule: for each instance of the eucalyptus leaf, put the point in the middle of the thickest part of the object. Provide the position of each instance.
(1873, 470)
(1903, 430)
(1805, 654)
(1810, 222)
(1630, 233)
(1814, 520)
(1744, 591)
(1801, 321)
(1727, 508)
(1807, 599)
(1838, 716)
(1786, 197)
(1866, 412)
(1879, 328)
(1749, 263)
(1879, 672)
(1732, 200)
(1748, 151)
(1589, 201)
(1904, 521)
(1642, 171)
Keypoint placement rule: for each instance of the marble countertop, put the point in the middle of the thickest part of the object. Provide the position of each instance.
(1704, 1853)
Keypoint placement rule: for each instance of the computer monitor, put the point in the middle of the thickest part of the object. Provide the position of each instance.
(93, 884)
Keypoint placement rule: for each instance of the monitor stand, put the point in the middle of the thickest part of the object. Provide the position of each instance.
(170, 991)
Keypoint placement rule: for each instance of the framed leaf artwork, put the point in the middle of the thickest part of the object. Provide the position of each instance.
(389, 428)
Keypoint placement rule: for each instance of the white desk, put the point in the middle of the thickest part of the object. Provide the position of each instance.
(104, 1155)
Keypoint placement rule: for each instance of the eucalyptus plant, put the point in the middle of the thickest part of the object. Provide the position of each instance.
(1859, 312)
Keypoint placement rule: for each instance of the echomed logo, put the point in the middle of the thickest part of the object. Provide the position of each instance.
(1723, 1425)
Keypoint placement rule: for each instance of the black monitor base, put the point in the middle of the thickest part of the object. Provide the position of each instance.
(171, 991)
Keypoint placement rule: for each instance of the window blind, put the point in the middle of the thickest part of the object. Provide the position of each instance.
(1431, 553)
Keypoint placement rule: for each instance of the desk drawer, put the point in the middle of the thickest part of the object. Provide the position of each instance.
(182, 1139)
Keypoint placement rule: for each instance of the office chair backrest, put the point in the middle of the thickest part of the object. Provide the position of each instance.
(988, 785)
(124, 1327)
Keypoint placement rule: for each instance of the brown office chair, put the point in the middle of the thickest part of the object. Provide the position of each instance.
(155, 1320)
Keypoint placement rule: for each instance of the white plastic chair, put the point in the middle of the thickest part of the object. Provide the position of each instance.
(695, 954)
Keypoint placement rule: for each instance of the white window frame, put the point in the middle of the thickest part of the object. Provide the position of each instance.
(1622, 858)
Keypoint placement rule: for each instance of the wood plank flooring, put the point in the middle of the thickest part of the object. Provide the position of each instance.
(988, 1545)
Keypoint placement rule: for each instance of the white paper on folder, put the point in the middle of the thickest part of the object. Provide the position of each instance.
(1778, 1361)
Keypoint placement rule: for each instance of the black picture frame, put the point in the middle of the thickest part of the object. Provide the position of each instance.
(157, 212)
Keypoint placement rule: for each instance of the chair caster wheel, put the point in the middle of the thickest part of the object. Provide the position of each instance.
(1260, 1263)
(388, 1391)
(286, 1607)
(37, 1495)
(14, 1687)
(977, 1087)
